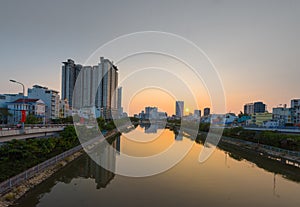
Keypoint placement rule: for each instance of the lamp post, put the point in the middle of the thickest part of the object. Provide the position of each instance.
(14, 81)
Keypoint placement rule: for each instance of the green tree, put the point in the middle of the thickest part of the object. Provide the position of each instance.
(32, 119)
(4, 114)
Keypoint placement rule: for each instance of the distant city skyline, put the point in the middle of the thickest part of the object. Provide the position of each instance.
(253, 44)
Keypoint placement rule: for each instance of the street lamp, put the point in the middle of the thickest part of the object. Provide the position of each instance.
(14, 81)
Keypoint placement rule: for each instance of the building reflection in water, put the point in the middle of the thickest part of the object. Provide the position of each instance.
(151, 128)
(179, 136)
(102, 166)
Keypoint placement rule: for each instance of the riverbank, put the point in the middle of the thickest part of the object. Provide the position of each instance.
(17, 192)
(17, 156)
(286, 157)
(265, 143)
(283, 156)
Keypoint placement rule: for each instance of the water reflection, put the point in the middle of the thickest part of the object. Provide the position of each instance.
(85, 168)
(231, 177)
(236, 153)
(89, 169)
(151, 128)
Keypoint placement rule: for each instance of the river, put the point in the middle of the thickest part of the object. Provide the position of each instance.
(230, 177)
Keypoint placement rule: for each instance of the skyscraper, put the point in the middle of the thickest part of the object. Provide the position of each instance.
(49, 97)
(107, 90)
(206, 111)
(96, 86)
(179, 108)
(70, 72)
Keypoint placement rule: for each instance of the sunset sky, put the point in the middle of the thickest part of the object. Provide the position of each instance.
(254, 46)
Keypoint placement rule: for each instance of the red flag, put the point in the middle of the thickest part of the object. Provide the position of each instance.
(81, 120)
(23, 118)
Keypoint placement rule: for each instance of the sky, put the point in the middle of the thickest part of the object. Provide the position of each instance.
(254, 45)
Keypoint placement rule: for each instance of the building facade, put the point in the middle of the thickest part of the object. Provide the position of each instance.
(95, 87)
(70, 72)
(197, 113)
(64, 109)
(258, 119)
(249, 108)
(259, 107)
(295, 103)
(4, 100)
(107, 90)
(49, 97)
(34, 107)
(295, 110)
(253, 108)
(283, 115)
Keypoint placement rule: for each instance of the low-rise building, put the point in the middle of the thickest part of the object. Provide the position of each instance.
(230, 118)
(258, 119)
(271, 124)
(64, 109)
(49, 97)
(253, 108)
(242, 120)
(4, 100)
(295, 110)
(283, 115)
(34, 107)
(296, 116)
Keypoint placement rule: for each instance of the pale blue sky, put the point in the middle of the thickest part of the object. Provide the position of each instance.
(254, 44)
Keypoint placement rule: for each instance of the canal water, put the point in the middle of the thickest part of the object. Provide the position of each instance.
(230, 177)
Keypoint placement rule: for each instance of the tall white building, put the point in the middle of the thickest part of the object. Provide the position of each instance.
(179, 108)
(49, 97)
(96, 87)
(249, 108)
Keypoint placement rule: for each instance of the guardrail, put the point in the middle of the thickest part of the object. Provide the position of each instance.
(18, 179)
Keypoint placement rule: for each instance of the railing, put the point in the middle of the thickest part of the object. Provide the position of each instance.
(18, 179)
(31, 126)
(275, 149)
(284, 151)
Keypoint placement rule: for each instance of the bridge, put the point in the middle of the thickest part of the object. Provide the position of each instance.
(10, 133)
